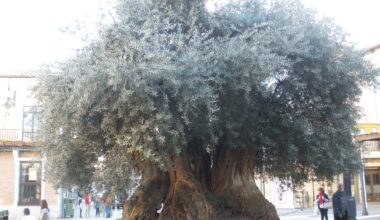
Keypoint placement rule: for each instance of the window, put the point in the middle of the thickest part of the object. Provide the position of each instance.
(376, 179)
(367, 180)
(31, 126)
(30, 183)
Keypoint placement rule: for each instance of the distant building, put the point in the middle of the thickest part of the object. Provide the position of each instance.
(368, 132)
(22, 177)
(369, 139)
(370, 99)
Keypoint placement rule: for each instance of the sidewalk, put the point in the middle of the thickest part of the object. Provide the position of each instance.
(308, 214)
(116, 214)
(285, 214)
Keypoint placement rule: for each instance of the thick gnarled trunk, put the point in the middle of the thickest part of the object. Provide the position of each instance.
(190, 190)
(235, 188)
(147, 199)
(187, 199)
(183, 194)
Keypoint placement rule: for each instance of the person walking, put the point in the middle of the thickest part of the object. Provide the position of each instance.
(44, 215)
(108, 206)
(307, 199)
(322, 198)
(97, 207)
(27, 215)
(340, 204)
(80, 205)
(87, 201)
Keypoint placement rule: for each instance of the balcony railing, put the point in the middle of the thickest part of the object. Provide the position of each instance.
(19, 137)
(371, 146)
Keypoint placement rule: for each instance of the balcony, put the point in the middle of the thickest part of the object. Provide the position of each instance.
(19, 137)
(369, 143)
(371, 146)
(371, 153)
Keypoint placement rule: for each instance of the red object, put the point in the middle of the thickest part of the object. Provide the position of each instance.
(87, 200)
(320, 198)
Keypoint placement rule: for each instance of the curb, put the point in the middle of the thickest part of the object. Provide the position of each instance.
(368, 217)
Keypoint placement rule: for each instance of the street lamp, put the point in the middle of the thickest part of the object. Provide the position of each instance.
(350, 199)
(362, 181)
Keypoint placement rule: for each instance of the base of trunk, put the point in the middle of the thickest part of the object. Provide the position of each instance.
(187, 198)
(235, 188)
(240, 203)
(180, 194)
(147, 199)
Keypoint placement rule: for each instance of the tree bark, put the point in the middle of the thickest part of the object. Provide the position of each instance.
(145, 202)
(234, 186)
(187, 199)
(187, 191)
(182, 194)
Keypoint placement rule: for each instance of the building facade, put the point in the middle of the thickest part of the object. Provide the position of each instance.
(22, 180)
(368, 132)
(369, 141)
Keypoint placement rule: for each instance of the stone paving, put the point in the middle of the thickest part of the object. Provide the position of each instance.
(308, 214)
(285, 214)
(116, 214)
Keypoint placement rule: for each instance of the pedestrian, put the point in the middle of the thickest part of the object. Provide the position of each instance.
(321, 199)
(97, 206)
(340, 204)
(307, 199)
(44, 215)
(27, 215)
(87, 201)
(108, 206)
(80, 205)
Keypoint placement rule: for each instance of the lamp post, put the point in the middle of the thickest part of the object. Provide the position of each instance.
(362, 182)
(351, 209)
(347, 183)
(363, 192)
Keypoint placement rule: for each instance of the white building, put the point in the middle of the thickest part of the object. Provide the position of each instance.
(22, 181)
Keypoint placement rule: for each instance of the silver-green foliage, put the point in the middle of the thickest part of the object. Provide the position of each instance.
(268, 76)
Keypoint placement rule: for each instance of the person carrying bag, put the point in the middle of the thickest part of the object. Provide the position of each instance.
(323, 203)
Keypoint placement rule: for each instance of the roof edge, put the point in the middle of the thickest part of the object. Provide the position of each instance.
(372, 49)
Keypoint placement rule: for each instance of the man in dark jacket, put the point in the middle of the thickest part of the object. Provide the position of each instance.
(340, 204)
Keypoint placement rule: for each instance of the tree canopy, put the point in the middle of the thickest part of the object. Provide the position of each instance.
(266, 79)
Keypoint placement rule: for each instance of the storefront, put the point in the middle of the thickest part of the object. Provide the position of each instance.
(372, 180)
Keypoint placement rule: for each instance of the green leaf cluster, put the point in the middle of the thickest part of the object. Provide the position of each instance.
(270, 76)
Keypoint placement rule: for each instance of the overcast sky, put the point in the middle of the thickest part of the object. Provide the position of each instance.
(32, 34)
(31, 30)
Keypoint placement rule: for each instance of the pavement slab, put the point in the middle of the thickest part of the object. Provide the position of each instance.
(309, 214)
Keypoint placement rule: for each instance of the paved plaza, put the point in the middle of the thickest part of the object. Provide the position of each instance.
(285, 214)
(308, 214)
(116, 214)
